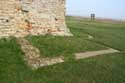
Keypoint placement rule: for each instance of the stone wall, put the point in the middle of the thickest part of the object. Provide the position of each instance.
(23, 17)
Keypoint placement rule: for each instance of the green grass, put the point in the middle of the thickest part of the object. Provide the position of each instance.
(100, 69)
(108, 34)
(57, 46)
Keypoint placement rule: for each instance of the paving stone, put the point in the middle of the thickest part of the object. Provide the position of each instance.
(94, 53)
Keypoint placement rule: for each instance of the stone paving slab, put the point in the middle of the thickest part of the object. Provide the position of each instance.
(94, 53)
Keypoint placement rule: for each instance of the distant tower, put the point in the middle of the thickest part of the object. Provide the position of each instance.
(92, 17)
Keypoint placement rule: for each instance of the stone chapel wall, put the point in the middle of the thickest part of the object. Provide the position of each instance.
(36, 17)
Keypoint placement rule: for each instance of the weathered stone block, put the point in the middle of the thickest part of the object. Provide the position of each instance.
(32, 17)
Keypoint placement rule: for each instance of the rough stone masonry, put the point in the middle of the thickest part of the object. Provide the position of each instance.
(20, 18)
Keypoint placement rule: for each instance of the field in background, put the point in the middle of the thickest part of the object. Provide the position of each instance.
(98, 19)
(88, 36)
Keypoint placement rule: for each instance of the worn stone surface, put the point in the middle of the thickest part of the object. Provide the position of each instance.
(94, 53)
(23, 17)
(32, 55)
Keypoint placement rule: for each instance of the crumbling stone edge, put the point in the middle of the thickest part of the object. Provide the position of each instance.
(35, 60)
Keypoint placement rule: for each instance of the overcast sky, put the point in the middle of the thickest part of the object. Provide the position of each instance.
(102, 8)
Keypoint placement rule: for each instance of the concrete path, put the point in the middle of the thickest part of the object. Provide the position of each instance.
(94, 53)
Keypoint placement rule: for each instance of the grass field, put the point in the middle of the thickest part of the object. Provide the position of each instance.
(100, 69)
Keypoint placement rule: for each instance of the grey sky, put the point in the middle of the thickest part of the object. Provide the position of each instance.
(102, 8)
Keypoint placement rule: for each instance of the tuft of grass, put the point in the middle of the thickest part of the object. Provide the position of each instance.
(50, 46)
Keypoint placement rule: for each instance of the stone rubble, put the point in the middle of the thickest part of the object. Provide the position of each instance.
(32, 55)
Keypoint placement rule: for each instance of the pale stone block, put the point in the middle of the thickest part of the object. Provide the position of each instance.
(33, 17)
